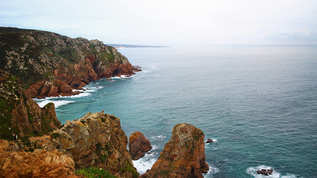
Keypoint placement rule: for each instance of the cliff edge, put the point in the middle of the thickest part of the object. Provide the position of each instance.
(50, 64)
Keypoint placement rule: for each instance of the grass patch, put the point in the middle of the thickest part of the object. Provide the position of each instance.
(131, 169)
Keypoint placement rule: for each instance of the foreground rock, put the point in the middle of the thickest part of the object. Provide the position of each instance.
(19, 114)
(138, 145)
(40, 163)
(50, 64)
(96, 140)
(183, 155)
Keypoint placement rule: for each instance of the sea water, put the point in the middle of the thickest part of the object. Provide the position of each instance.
(259, 104)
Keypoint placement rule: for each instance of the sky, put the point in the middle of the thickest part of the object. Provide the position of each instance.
(169, 22)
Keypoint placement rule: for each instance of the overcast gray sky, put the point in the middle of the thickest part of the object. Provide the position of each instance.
(169, 22)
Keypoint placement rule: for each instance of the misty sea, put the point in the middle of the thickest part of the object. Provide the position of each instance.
(258, 104)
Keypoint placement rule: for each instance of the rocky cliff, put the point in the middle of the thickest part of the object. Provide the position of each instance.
(183, 155)
(50, 64)
(96, 140)
(19, 114)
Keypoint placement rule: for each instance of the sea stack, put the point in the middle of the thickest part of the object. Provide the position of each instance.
(138, 145)
(183, 155)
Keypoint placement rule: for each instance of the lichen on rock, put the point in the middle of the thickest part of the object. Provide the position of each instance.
(183, 155)
(19, 114)
(50, 64)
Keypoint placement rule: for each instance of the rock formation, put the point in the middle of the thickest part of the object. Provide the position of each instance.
(19, 114)
(209, 140)
(49, 64)
(265, 172)
(96, 140)
(39, 163)
(183, 155)
(138, 145)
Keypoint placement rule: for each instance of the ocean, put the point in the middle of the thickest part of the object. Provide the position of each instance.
(258, 104)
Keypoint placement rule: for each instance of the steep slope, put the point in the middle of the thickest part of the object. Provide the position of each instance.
(19, 114)
(50, 64)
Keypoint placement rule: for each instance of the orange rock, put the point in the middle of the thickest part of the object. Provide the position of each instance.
(40, 163)
(183, 155)
(138, 145)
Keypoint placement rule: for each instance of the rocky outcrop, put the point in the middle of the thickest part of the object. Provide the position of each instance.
(39, 163)
(138, 145)
(183, 155)
(265, 172)
(96, 140)
(209, 140)
(49, 64)
(19, 114)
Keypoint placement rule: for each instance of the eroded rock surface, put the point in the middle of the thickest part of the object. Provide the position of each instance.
(19, 114)
(95, 140)
(39, 163)
(138, 145)
(50, 64)
(183, 155)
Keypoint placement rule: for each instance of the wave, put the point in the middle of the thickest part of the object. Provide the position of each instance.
(212, 170)
(121, 77)
(146, 162)
(159, 137)
(253, 172)
(56, 103)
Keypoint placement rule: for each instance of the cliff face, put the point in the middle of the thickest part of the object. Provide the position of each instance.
(49, 64)
(183, 155)
(96, 140)
(19, 114)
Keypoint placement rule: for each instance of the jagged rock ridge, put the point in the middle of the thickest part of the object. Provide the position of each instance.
(50, 64)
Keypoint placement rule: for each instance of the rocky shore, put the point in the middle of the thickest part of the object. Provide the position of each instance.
(49, 64)
(33, 143)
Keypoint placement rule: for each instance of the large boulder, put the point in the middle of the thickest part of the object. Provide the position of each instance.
(183, 155)
(138, 145)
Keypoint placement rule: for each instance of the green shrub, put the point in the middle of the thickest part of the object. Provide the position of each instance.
(54, 135)
(130, 169)
(92, 172)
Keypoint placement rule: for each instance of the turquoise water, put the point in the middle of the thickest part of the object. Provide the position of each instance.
(258, 102)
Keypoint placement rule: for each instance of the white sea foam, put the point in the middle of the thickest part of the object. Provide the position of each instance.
(212, 170)
(146, 162)
(159, 137)
(253, 172)
(56, 103)
(121, 77)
